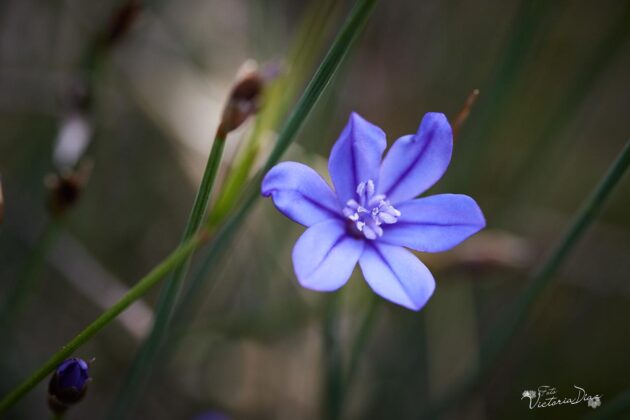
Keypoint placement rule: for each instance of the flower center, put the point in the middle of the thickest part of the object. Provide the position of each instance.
(369, 211)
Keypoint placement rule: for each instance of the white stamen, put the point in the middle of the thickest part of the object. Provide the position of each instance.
(369, 211)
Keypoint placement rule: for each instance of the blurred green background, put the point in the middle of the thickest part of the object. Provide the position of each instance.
(551, 116)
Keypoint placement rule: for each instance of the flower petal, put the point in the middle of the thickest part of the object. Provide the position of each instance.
(300, 193)
(325, 255)
(435, 223)
(415, 162)
(397, 275)
(356, 156)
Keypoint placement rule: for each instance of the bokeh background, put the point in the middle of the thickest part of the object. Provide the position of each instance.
(551, 117)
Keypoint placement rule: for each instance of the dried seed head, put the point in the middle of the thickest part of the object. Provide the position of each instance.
(244, 99)
(462, 116)
(121, 21)
(65, 188)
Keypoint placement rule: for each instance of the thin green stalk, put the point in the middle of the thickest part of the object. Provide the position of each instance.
(168, 296)
(173, 260)
(333, 379)
(25, 283)
(352, 27)
(510, 324)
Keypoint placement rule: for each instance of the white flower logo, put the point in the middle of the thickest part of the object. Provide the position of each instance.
(529, 394)
(594, 402)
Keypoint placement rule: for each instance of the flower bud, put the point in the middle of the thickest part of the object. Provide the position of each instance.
(68, 384)
(65, 188)
(244, 99)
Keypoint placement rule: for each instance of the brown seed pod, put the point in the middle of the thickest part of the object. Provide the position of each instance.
(65, 188)
(244, 101)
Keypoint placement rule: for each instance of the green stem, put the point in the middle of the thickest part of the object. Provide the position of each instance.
(168, 296)
(510, 324)
(143, 286)
(333, 381)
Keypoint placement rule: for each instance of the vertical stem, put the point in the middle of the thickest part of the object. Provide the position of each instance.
(333, 381)
(168, 296)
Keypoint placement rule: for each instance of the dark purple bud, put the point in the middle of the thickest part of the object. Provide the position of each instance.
(68, 384)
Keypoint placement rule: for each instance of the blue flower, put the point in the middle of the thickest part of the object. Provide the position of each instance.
(372, 215)
(68, 384)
